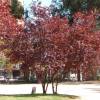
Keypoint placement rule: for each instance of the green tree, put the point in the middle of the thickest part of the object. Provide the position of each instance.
(80, 4)
(17, 9)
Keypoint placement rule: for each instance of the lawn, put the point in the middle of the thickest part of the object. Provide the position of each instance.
(39, 97)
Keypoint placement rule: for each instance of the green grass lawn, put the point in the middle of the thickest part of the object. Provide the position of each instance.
(39, 97)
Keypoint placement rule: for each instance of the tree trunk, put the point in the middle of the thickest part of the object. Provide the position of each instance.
(25, 69)
(54, 85)
(93, 74)
(43, 88)
(52, 80)
(78, 75)
(26, 74)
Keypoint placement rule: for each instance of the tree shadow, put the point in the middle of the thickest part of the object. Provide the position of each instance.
(41, 95)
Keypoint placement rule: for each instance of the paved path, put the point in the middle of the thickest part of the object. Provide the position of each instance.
(84, 91)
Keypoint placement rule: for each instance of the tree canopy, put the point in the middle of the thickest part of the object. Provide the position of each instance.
(77, 5)
(49, 45)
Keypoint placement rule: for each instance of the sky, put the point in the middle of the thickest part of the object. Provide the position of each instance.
(44, 2)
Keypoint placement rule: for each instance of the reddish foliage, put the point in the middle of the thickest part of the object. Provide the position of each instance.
(8, 24)
(52, 47)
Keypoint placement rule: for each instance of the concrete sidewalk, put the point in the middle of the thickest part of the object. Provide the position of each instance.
(84, 91)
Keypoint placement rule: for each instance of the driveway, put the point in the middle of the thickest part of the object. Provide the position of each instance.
(84, 91)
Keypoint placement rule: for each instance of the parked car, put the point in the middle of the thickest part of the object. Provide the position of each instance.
(2, 78)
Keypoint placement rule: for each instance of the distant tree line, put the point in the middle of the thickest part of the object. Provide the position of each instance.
(17, 9)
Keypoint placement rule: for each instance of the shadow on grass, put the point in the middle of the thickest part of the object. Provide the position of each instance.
(47, 95)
